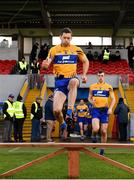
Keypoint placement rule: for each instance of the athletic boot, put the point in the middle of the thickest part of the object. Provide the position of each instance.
(102, 152)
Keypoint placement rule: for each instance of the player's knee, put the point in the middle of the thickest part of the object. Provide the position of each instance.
(74, 83)
(103, 132)
(95, 129)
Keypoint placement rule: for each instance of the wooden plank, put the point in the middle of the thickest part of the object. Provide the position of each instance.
(108, 160)
(73, 163)
(67, 145)
(31, 163)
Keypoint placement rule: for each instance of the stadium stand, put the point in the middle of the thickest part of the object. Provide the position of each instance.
(116, 67)
(31, 96)
(7, 66)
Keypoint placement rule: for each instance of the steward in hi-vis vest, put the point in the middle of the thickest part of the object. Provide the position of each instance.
(20, 115)
(36, 116)
(23, 66)
(106, 56)
(8, 112)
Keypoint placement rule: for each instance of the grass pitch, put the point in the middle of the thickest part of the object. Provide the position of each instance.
(57, 167)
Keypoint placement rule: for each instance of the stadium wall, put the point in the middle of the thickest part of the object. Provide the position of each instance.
(9, 53)
(10, 84)
(111, 79)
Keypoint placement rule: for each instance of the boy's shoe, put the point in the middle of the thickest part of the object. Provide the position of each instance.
(102, 152)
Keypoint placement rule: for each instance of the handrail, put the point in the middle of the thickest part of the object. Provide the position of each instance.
(43, 92)
(24, 88)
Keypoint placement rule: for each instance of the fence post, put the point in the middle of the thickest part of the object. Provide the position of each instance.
(73, 163)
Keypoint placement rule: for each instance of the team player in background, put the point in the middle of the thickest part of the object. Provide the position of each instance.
(65, 57)
(81, 111)
(98, 96)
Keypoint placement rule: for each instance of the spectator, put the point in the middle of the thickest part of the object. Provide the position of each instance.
(20, 115)
(106, 55)
(36, 116)
(90, 46)
(35, 74)
(117, 55)
(43, 52)
(96, 55)
(89, 55)
(122, 111)
(4, 43)
(23, 66)
(33, 54)
(130, 54)
(49, 117)
(8, 112)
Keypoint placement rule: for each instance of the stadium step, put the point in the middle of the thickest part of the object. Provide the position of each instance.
(31, 97)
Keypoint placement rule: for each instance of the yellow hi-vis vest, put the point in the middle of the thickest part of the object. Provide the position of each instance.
(10, 109)
(106, 55)
(18, 110)
(23, 65)
(32, 65)
(36, 108)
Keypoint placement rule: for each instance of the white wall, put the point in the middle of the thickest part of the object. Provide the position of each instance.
(111, 79)
(10, 84)
(9, 53)
(27, 45)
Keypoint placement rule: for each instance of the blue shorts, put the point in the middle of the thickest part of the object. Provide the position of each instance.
(81, 120)
(88, 120)
(62, 84)
(101, 114)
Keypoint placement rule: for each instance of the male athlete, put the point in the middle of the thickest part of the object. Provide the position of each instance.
(82, 110)
(98, 96)
(65, 57)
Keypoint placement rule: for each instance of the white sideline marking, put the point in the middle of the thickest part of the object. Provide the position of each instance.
(14, 149)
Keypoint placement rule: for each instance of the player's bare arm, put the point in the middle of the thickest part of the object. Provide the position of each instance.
(46, 63)
(85, 69)
(112, 102)
(90, 98)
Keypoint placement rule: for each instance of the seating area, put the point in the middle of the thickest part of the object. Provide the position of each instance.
(7, 66)
(131, 79)
(113, 67)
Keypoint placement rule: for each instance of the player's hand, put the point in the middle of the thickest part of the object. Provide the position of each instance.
(45, 64)
(84, 79)
(93, 102)
(109, 111)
